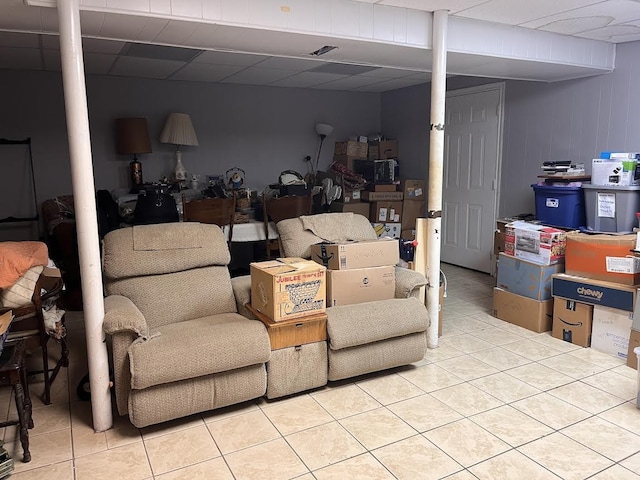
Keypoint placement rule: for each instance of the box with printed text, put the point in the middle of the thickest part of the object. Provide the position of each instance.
(356, 254)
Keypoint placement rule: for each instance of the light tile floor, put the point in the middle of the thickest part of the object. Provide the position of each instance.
(493, 402)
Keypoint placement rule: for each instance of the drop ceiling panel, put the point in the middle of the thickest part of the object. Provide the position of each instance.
(258, 76)
(51, 59)
(12, 58)
(285, 63)
(92, 22)
(151, 29)
(202, 72)
(432, 5)
(228, 58)
(383, 73)
(389, 85)
(307, 79)
(98, 63)
(350, 83)
(176, 32)
(97, 45)
(621, 10)
(21, 18)
(122, 26)
(204, 36)
(145, 67)
(13, 39)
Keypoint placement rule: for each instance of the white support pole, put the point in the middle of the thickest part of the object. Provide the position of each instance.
(75, 97)
(436, 156)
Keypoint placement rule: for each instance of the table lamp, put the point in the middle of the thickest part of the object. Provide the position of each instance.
(132, 138)
(179, 131)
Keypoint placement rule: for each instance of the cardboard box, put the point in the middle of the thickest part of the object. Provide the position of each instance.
(413, 189)
(611, 331)
(499, 237)
(615, 172)
(524, 278)
(356, 254)
(381, 187)
(636, 312)
(393, 196)
(634, 342)
(351, 148)
(535, 243)
(360, 285)
(294, 331)
(385, 211)
(572, 321)
(383, 149)
(408, 234)
(288, 288)
(388, 230)
(522, 311)
(603, 257)
(593, 292)
(356, 207)
(411, 211)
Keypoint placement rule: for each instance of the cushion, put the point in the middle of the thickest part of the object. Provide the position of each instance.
(21, 292)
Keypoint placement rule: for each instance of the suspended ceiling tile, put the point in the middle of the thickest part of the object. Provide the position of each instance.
(145, 67)
(610, 32)
(14, 39)
(21, 17)
(300, 80)
(151, 29)
(386, 85)
(20, 58)
(201, 72)
(388, 73)
(204, 36)
(176, 32)
(572, 26)
(91, 22)
(52, 42)
(98, 45)
(98, 63)
(229, 58)
(621, 10)
(258, 76)
(120, 26)
(349, 83)
(49, 20)
(286, 63)
(432, 5)
(51, 60)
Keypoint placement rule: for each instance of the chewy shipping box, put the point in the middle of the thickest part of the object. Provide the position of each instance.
(525, 278)
(522, 311)
(572, 321)
(603, 257)
(593, 292)
(535, 243)
(288, 288)
(360, 285)
(611, 331)
(356, 254)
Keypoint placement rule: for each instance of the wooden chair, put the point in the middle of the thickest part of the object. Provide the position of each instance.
(282, 208)
(217, 211)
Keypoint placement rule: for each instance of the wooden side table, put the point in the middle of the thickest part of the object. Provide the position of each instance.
(13, 371)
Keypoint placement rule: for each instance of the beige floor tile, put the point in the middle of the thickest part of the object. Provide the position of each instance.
(122, 433)
(463, 475)
(443, 352)
(511, 464)
(324, 445)
(504, 387)
(345, 401)
(306, 476)
(388, 388)
(424, 412)
(539, 376)
(632, 463)
(625, 371)
(408, 459)
(625, 416)
(532, 350)
(605, 438)
(598, 358)
(468, 343)
(299, 413)
(616, 472)
(86, 441)
(546, 338)
(129, 461)
(363, 467)
(242, 431)
(466, 442)
(488, 318)
(467, 367)
(431, 377)
(586, 397)
(500, 358)
(552, 453)
(551, 410)
(572, 366)
(615, 384)
(57, 471)
(180, 449)
(449, 330)
(496, 336)
(215, 469)
(377, 428)
(59, 391)
(511, 425)
(46, 449)
(230, 411)
(171, 426)
(522, 332)
(467, 399)
(273, 460)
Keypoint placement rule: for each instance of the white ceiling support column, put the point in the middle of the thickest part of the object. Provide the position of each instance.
(75, 97)
(436, 160)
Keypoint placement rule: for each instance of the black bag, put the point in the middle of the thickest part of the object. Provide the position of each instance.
(155, 207)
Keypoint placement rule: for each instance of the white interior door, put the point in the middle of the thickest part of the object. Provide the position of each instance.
(473, 132)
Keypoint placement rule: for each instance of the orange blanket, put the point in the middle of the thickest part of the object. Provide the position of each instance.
(18, 257)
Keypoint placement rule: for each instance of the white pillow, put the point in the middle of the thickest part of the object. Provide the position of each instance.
(21, 292)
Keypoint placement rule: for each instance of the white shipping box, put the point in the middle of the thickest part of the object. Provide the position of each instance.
(611, 331)
(614, 172)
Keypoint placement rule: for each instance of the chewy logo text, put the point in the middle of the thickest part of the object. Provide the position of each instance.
(590, 293)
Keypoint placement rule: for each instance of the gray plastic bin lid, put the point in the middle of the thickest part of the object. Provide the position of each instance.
(611, 187)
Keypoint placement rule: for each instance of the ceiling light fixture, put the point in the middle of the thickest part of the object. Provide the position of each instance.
(323, 50)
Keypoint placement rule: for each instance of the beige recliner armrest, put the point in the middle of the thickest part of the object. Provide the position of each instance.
(408, 282)
(121, 315)
(242, 292)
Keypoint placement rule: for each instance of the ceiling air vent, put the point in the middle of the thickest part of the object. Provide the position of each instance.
(323, 50)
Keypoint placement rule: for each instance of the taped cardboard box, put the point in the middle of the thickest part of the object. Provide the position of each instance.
(525, 278)
(361, 208)
(522, 311)
(634, 342)
(572, 321)
(356, 254)
(413, 189)
(611, 331)
(603, 257)
(383, 149)
(535, 243)
(388, 230)
(385, 211)
(411, 211)
(360, 285)
(351, 148)
(594, 292)
(393, 196)
(288, 288)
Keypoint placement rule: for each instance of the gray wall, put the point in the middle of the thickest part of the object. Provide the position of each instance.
(263, 130)
(574, 120)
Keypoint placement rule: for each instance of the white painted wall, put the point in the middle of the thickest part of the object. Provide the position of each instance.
(263, 130)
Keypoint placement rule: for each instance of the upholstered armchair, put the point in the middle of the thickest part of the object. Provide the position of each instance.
(179, 346)
(365, 337)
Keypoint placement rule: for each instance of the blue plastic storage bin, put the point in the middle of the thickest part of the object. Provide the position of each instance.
(560, 206)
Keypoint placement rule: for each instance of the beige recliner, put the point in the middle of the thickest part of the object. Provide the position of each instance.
(179, 346)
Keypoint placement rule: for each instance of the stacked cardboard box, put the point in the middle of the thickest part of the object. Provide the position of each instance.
(358, 272)
(414, 195)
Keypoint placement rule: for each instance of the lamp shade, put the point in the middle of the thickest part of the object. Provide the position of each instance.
(323, 129)
(132, 136)
(178, 130)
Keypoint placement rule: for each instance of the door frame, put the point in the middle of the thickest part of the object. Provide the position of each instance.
(500, 87)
